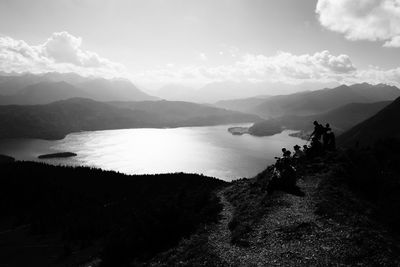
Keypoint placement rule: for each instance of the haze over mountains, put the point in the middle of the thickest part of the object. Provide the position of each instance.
(67, 102)
(381, 126)
(345, 117)
(340, 119)
(57, 119)
(217, 91)
(257, 98)
(316, 102)
(343, 107)
(26, 89)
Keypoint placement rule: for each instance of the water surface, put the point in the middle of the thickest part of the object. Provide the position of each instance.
(211, 151)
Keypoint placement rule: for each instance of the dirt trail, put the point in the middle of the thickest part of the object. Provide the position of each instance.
(220, 237)
(328, 226)
(290, 234)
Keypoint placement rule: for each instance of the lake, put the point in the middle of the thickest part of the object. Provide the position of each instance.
(211, 151)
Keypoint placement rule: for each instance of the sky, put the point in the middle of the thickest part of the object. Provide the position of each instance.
(195, 42)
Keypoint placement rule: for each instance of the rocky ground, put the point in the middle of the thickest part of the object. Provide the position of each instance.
(328, 226)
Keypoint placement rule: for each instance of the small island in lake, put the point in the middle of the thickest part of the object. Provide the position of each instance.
(238, 130)
(261, 128)
(57, 155)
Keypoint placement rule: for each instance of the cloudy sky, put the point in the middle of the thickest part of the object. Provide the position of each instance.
(193, 42)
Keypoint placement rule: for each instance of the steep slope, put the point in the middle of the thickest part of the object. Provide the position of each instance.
(319, 101)
(383, 125)
(329, 224)
(347, 116)
(340, 119)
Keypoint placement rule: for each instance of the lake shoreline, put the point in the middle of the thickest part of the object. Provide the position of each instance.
(211, 150)
(62, 136)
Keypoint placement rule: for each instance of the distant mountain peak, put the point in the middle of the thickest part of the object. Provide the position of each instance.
(52, 86)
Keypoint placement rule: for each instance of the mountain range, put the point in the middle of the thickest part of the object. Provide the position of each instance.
(340, 119)
(30, 89)
(179, 113)
(57, 119)
(243, 104)
(315, 102)
(219, 91)
(52, 105)
(383, 125)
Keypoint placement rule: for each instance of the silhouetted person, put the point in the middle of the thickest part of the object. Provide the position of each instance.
(286, 153)
(284, 175)
(297, 152)
(305, 149)
(316, 147)
(328, 127)
(332, 142)
(318, 131)
(326, 136)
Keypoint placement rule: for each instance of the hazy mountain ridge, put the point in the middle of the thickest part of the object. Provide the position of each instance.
(345, 117)
(43, 93)
(320, 101)
(113, 90)
(244, 104)
(340, 119)
(55, 120)
(183, 113)
(49, 87)
(221, 91)
(315, 102)
(381, 126)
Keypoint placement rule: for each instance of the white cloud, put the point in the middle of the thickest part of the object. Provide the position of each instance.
(376, 75)
(374, 20)
(283, 67)
(320, 67)
(394, 42)
(61, 52)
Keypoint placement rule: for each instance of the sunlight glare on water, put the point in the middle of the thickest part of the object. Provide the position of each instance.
(211, 151)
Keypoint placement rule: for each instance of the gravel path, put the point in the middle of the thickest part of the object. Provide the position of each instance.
(220, 236)
(290, 234)
(288, 231)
